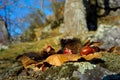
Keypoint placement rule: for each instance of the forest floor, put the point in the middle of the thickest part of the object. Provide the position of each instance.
(8, 56)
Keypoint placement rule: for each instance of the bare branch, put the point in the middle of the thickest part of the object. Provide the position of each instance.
(5, 3)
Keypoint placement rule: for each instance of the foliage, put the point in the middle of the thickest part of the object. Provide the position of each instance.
(4, 6)
(58, 10)
(28, 35)
(38, 19)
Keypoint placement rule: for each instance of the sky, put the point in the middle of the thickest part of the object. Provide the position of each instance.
(19, 10)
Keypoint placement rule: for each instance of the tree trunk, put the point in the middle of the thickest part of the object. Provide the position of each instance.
(75, 18)
(4, 37)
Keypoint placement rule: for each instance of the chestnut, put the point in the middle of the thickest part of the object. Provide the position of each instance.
(86, 50)
(89, 49)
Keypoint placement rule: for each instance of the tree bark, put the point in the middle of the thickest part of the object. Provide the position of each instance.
(4, 37)
(75, 18)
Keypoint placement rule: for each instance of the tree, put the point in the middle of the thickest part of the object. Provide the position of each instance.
(38, 19)
(4, 6)
(15, 22)
(81, 15)
(58, 10)
(75, 18)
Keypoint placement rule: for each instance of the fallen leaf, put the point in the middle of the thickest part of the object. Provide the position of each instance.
(59, 59)
(91, 56)
(26, 61)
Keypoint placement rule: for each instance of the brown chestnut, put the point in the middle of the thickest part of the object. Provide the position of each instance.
(89, 49)
(86, 50)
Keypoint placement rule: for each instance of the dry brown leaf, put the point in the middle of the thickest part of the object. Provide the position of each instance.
(96, 43)
(115, 49)
(59, 59)
(88, 43)
(91, 56)
(26, 61)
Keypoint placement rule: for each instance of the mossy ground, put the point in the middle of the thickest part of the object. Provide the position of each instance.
(7, 57)
(112, 59)
(65, 72)
(36, 46)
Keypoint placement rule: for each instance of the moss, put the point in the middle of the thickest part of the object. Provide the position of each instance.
(59, 73)
(112, 61)
(20, 48)
(65, 72)
(75, 78)
(83, 66)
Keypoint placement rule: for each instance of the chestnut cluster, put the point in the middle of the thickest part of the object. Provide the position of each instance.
(45, 58)
(74, 46)
(70, 45)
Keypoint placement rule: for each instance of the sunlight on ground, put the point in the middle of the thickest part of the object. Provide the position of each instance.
(36, 46)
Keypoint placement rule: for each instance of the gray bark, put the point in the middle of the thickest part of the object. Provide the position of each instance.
(75, 18)
(3, 32)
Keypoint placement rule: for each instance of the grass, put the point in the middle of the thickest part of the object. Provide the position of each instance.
(36, 46)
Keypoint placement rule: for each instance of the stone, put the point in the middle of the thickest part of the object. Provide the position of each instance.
(76, 71)
(47, 29)
(109, 3)
(67, 71)
(109, 35)
(94, 74)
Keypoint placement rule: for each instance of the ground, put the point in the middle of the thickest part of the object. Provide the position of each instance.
(9, 63)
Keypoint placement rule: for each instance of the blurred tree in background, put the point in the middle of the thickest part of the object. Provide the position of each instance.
(79, 16)
(38, 20)
(58, 10)
(4, 5)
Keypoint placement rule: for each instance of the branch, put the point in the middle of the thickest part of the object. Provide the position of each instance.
(6, 4)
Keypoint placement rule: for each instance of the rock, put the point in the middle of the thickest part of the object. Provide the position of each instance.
(3, 47)
(68, 71)
(94, 74)
(61, 29)
(47, 29)
(112, 77)
(109, 3)
(109, 35)
(108, 7)
(115, 13)
(75, 71)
